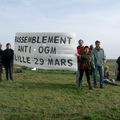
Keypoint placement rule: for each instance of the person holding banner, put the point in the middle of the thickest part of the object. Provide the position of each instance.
(80, 49)
(1, 61)
(8, 57)
(85, 64)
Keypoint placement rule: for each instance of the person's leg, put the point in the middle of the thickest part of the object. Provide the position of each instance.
(110, 81)
(11, 72)
(87, 72)
(94, 76)
(1, 72)
(81, 76)
(118, 76)
(77, 77)
(0, 76)
(7, 72)
(101, 73)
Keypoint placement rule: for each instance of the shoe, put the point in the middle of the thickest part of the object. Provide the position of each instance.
(101, 86)
(95, 85)
(113, 81)
(90, 88)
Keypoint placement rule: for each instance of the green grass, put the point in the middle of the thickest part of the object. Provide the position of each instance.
(52, 95)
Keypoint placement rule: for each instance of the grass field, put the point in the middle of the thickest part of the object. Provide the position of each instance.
(52, 95)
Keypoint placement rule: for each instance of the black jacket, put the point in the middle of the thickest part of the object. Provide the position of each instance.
(8, 57)
(1, 57)
(118, 62)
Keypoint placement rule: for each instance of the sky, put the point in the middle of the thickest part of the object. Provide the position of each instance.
(91, 20)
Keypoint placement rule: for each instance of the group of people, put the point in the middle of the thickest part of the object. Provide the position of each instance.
(90, 60)
(6, 61)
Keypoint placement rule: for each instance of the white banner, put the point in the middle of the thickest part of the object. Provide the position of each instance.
(46, 50)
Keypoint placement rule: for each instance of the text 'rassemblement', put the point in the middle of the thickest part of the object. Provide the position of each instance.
(44, 39)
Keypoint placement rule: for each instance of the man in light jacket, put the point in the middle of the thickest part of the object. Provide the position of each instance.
(98, 60)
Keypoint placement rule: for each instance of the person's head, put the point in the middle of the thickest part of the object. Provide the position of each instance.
(97, 44)
(106, 68)
(81, 42)
(91, 47)
(8, 45)
(0, 45)
(86, 49)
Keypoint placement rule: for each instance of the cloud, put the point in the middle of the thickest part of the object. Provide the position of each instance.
(89, 19)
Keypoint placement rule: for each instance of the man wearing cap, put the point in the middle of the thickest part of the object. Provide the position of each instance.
(1, 61)
(98, 60)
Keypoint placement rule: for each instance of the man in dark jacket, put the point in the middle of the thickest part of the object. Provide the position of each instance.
(1, 61)
(118, 62)
(8, 57)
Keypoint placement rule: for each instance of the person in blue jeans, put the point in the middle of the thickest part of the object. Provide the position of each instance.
(98, 60)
